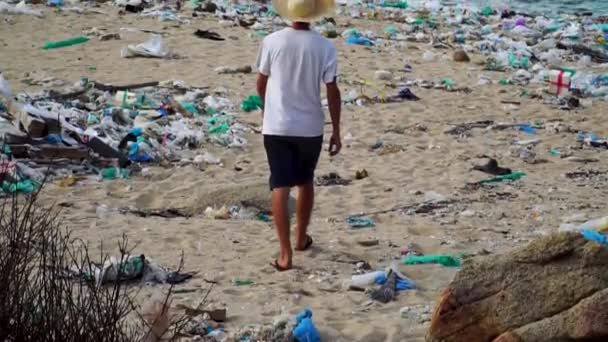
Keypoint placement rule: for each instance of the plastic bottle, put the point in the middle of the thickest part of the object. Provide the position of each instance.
(5, 88)
(596, 224)
(367, 279)
(348, 139)
(599, 92)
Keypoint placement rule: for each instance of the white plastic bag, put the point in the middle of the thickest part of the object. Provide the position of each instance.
(20, 8)
(428, 56)
(153, 47)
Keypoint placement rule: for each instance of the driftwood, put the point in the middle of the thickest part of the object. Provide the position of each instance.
(166, 213)
(56, 152)
(596, 55)
(113, 88)
(418, 208)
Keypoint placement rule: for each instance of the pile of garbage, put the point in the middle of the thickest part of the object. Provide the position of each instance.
(560, 54)
(209, 324)
(129, 268)
(106, 130)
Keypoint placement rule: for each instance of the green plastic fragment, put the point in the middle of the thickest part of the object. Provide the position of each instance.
(512, 176)
(445, 260)
(221, 128)
(111, 173)
(251, 103)
(487, 11)
(242, 282)
(63, 43)
(395, 4)
(190, 107)
(26, 186)
(391, 30)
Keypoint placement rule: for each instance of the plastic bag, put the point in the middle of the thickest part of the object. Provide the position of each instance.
(428, 56)
(153, 47)
(20, 8)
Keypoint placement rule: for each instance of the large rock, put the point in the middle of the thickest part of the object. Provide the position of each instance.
(554, 289)
(461, 56)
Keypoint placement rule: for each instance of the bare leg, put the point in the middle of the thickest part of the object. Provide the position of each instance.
(306, 199)
(280, 214)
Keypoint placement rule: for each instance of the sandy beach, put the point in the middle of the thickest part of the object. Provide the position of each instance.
(427, 163)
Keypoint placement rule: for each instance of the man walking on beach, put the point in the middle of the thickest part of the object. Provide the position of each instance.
(292, 65)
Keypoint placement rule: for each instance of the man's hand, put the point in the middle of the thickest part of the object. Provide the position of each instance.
(335, 144)
(261, 88)
(335, 108)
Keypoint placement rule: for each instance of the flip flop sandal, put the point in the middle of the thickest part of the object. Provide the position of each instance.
(278, 267)
(492, 168)
(309, 242)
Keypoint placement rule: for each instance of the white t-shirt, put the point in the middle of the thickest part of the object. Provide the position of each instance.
(297, 62)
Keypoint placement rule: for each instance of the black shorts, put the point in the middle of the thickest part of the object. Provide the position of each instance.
(292, 160)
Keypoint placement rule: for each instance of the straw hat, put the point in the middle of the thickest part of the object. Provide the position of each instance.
(304, 10)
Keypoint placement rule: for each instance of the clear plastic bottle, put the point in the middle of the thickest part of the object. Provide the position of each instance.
(5, 88)
(364, 280)
(595, 224)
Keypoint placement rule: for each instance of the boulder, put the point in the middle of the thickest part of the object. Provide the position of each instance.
(461, 56)
(554, 289)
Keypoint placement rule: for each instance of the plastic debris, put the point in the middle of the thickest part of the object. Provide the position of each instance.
(64, 43)
(360, 222)
(445, 260)
(593, 235)
(20, 8)
(305, 329)
(251, 103)
(352, 40)
(153, 47)
(512, 176)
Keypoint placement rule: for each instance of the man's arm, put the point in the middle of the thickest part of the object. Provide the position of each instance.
(261, 87)
(334, 100)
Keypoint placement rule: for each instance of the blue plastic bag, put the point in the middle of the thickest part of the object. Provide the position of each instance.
(596, 236)
(527, 129)
(359, 41)
(402, 283)
(305, 330)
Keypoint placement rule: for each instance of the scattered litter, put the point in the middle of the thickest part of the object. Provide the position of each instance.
(131, 268)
